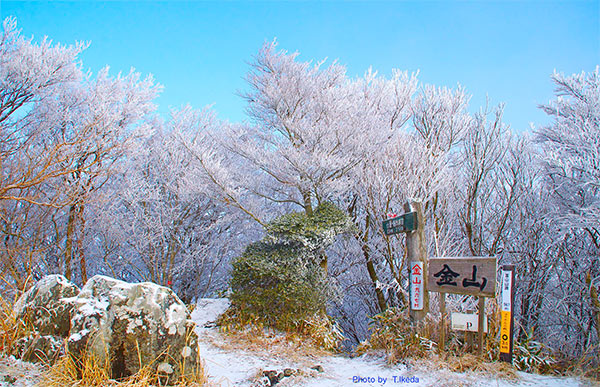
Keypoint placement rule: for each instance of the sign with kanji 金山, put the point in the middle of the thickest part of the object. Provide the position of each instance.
(402, 223)
(474, 276)
(416, 285)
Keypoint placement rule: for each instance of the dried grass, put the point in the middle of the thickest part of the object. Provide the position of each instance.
(266, 342)
(317, 336)
(11, 328)
(467, 364)
(92, 372)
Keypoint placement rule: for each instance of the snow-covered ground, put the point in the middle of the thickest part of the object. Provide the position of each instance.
(233, 363)
(18, 373)
(230, 365)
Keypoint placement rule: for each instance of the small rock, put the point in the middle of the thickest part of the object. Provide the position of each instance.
(317, 368)
(263, 382)
(288, 372)
(273, 377)
(9, 379)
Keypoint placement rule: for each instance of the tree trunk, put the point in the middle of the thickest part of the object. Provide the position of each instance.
(373, 275)
(69, 240)
(306, 196)
(371, 267)
(80, 239)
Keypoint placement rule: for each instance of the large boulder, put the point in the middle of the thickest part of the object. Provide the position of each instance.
(46, 310)
(133, 324)
(47, 306)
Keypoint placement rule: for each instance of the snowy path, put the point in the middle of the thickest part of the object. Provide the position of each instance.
(230, 366)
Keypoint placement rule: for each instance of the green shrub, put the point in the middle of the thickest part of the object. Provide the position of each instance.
(277, 285)
(313, 233)
(279, 281)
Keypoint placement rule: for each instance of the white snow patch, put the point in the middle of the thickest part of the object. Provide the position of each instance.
(165, 367)
(63, 281)
(186, 351)
(209, 309)
(78, 335)
(91, 306)
(176, 316)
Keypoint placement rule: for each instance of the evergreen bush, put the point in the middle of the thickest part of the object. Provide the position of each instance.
(277, 285)
(277, 281)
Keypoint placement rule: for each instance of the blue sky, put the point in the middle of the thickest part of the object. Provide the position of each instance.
(199, 50)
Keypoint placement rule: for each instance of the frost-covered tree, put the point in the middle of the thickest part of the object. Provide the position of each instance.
(158, 224)
(30, 74)
(312, 124)
(489, 183)
(60, 132)
(415, 163)
(571, 161)
(105, 110)
(571, 145)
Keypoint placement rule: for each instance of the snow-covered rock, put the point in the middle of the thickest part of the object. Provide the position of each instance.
(46, 308)
(47, 305)
(133, 322)
(45, 349)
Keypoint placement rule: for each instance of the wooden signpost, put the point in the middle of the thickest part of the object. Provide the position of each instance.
(412, 223)
(416, 256)
(475, 276)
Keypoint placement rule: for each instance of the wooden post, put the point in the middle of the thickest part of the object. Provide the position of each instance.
(469, 341)
(481, 316)
(443, 327)
(416, 249)
(507, 297)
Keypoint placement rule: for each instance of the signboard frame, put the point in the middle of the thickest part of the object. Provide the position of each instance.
(472, 276)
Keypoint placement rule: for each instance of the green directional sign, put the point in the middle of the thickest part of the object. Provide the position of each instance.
(403, 223)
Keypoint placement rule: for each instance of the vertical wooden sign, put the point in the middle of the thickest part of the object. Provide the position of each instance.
(506, 313)
(416, 285)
